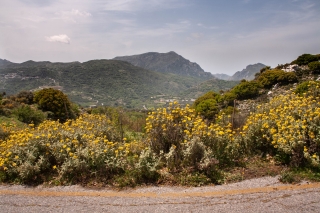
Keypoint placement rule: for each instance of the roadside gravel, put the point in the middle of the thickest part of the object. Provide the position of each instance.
(265, 194)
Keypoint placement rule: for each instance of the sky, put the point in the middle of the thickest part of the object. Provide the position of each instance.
(222, 36)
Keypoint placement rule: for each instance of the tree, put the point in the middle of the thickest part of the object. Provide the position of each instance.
(56, 103)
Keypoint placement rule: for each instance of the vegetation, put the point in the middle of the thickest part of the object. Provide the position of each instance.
(305, 59)
(178, 144)
(56, 103)
(101, 82)
(314, 66)
(270, 77)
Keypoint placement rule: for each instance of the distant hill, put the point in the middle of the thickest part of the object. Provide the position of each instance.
(222, 76)
(4, 62)
(169, 62)
(214, 84)
(248, 73)
(97, 82)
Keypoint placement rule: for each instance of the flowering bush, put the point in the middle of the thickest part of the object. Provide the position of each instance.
(75, 150)
(288, 124)
(183, 139)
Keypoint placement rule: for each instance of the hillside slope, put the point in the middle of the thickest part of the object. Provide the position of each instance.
(111, 82)
(169, 62)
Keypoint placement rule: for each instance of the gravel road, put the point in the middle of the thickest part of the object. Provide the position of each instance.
(257, 195)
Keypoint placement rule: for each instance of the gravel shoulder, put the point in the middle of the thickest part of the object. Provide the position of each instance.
(265, 194)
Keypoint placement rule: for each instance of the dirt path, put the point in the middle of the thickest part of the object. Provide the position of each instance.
(257, 195)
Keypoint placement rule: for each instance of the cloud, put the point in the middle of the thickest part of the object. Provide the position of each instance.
(59, 38)
(80, 13)
(136, 5)
(70, 15)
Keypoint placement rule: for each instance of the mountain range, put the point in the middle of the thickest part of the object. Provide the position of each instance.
(248, 73)
(114, 82)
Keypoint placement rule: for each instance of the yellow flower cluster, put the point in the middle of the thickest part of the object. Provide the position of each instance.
(89, 138)
(290, 123)
(176, 127)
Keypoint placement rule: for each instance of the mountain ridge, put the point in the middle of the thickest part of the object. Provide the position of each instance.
(247, 73)
(110, 82)
(170, 62)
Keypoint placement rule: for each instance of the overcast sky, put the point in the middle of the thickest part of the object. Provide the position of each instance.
(222, 36)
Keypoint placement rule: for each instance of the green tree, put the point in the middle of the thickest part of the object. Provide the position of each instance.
(56, 103)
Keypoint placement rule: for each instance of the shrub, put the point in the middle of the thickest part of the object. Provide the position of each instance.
(207, 105)
(302, 88)
(208, 108)
(209, 95)
(56, 102)
(74, 151)
(228, 98)
(305, 59)
(27, 114)
(314, 66)
(25, 97)
(288, 127)
(184, 140)
(246, 90)
(269, 78)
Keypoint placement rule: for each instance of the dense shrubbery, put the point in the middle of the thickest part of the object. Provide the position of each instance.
(194, 143)
(270, 77)
(73, 151)
(183, 140)
(305, 59)
(288, 127)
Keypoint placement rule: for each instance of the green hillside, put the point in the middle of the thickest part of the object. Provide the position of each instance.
(109, 82)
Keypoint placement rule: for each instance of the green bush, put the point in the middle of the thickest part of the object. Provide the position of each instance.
(302, 88)
(208, 108)
(305, 59)
(209, 95)
(314, 66)
(270, 77)
(228, 98)
(27, 114)
(246, 90)
(56, 102)
(207, 105)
